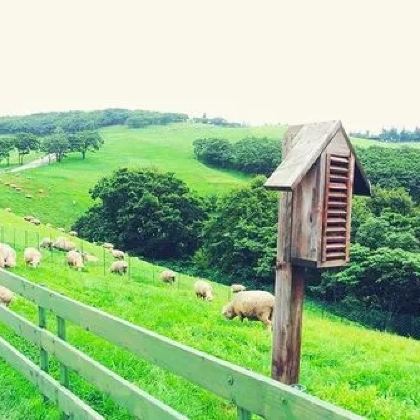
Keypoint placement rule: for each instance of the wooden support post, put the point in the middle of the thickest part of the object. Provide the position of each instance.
(289, 292)
(61, 332)
(243, 414)
(42, 322)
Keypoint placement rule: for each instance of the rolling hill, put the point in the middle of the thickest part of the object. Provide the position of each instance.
(66, 185)
(371, 373)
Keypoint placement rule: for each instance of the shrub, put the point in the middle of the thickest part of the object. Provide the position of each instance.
(144, 211)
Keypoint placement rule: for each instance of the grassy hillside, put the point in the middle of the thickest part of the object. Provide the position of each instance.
(372, 373)
(168, 148)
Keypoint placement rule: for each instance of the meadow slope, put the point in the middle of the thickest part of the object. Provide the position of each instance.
(371, 373)
(66, 185)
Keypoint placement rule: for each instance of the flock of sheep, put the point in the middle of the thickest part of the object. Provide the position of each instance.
(252, 304)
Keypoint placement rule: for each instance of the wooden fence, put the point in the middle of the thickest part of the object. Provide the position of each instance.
(249, 391)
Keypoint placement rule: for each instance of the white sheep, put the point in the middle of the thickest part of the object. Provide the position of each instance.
(75, 260)
(63, 244)
(28, 218)
(36, 221)
(117, 254)
(203, 290)
(60, 229)
(32, 257)
(237, 288)
(253, 305)
(168, 276)
(6, 296)
(108, 246)
(119, 267)
(8, 209)
(73, 233)
(46, 243)
(7, 256)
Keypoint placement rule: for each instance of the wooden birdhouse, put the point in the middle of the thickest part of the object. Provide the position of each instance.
(321, 170)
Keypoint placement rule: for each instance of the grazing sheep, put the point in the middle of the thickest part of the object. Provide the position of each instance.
(253, 305)
(119, 267)
(203, 290)
(28, 218)
(61, 229)
(6, 296)
(237, 288)
(63, 244)
(117, 254)
(36, 222)
(46, 243)
(8, 209)
(108, 246)
(73, 233)
(75, 260)
(168, 276)
(7, 256)
(32, 257)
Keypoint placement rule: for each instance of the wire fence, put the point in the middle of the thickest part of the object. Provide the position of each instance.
(402, 324)
(137, 269)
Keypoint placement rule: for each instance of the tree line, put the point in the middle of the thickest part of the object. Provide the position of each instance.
(386, 167)
(251, 155)
(59, 143)
(43, 124)
(390, 135)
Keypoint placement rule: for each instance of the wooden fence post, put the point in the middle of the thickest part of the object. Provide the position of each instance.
(64, 372)
(243, 414)
(43, 355)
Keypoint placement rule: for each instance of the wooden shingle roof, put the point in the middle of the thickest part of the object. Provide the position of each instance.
(309, 142)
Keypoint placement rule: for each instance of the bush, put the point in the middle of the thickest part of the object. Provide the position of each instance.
(214, 151)
(146, 212)
(385, 279)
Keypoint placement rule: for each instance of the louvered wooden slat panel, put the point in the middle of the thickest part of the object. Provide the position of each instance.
(336, 208)
(339, 159)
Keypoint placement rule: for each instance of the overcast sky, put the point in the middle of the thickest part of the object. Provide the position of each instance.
(256, 61)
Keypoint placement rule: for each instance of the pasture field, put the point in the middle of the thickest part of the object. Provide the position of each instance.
(66, 185)
(371, 373)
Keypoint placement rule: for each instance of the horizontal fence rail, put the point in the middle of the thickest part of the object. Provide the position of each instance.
(68, 402)
(137, 402)
(251, 392)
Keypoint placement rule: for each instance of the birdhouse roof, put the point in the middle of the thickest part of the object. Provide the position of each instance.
(308, 143)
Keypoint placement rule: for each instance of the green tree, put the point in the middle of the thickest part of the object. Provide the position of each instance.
(25, 143)
(240, 238)
(146, 212)
(85, 141)
(7, 144)
(57, 144)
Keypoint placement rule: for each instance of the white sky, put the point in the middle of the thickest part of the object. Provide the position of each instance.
(256, 61)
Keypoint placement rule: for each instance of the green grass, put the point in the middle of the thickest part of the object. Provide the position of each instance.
(169, 148)
(371, 373)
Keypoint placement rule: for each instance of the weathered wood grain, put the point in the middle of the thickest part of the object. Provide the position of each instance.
(308, 145)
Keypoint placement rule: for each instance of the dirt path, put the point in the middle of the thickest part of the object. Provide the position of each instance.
(45, 160)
